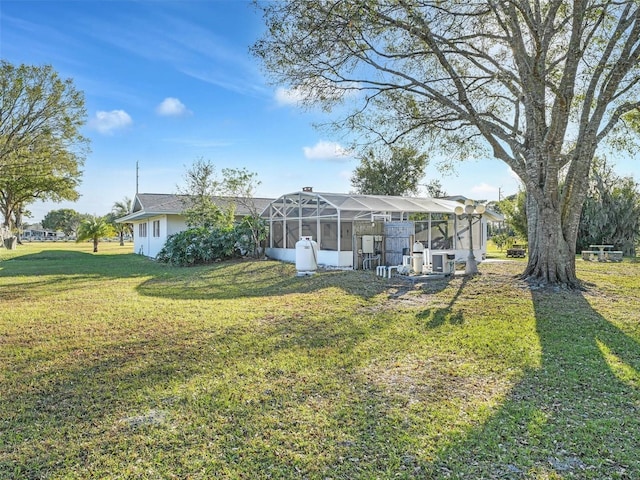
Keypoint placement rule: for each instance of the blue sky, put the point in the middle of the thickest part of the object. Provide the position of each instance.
(169, 82)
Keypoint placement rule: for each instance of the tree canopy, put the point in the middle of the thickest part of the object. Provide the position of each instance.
(64, 219)
(396, 171)
(611, 213)
(41, 148)
(537, 84)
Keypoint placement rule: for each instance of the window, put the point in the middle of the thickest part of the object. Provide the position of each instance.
(156, 228)
(142, 230)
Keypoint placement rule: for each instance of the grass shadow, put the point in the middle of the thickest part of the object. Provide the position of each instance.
(437, 316)
(73, 262)
(576, 415)
(256, 278)
(62, 269)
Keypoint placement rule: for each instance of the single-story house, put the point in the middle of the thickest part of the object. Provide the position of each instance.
(351, 231)
(156, 216)
(36, 232)
(361, 231)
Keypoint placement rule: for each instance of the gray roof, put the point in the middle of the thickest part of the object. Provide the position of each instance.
(146, 205)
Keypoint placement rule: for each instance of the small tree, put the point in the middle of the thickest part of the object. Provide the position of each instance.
(119, 210)
(211, 202)
(395, 172)
(514, 209)
(202, 186)
(94, 229)
(434, 189)
(64, 219)
(241, 185)
(500, 240)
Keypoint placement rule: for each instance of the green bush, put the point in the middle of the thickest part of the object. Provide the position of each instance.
(198, 246)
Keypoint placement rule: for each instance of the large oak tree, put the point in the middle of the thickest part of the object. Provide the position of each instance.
(41, 147)
(539, 84)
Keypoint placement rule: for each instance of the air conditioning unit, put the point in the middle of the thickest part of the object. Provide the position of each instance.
(443, 263)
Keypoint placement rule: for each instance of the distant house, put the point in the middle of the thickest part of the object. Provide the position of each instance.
(156, 216)
(37, 233)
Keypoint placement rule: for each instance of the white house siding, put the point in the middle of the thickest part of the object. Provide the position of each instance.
(325, 257)
(151, 245)
(175, 224)
(157, 242)
(142, 244)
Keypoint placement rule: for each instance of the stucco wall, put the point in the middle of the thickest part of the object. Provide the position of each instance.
(151, 245)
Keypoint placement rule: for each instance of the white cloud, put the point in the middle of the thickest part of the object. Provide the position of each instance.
(324, 150)
(172, 107)
(483, 189)
(108, 122)
(289, 96)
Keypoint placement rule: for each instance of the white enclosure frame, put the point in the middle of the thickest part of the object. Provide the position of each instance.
(288, 214)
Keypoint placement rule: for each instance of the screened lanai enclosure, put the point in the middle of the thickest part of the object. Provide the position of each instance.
(365, 231)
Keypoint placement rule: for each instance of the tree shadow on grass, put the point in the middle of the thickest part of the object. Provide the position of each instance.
(70, 262)
(574, 416)
(439, 315)
(190, 401)
(257, 278)
(62, 269)
(316, 397)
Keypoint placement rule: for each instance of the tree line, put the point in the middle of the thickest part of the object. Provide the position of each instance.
(610, 215)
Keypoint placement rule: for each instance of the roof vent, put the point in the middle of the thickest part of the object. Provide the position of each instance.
(307, 189)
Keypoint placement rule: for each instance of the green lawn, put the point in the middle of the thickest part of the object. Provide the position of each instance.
(113, 366)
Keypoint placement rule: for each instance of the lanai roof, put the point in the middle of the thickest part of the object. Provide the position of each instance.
(379, 204)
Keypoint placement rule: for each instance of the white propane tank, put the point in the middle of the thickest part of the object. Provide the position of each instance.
(306, 256)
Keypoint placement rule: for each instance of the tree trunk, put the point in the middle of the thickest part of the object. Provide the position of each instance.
(552, 245)
(122, 239)
(95, 245)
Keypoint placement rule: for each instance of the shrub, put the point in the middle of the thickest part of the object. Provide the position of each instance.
(197, 246)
